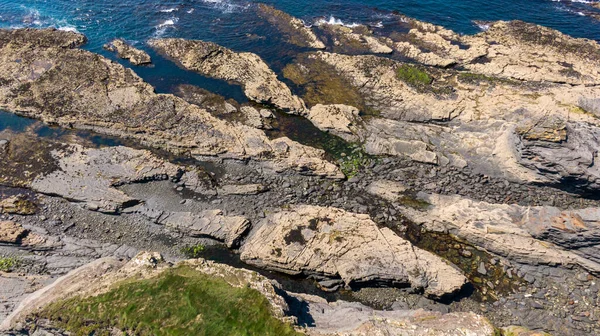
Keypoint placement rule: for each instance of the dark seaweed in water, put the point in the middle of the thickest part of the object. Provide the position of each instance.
(488, 285)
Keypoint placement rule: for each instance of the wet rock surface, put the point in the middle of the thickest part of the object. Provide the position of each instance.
(259, 82)
(126, 51)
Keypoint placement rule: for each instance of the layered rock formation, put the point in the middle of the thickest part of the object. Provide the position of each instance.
(355, 39)
(76, 88)
(352, 319)
(260, 83)
(532, 132)
(531, 235)
(335, 243)
(127, 51)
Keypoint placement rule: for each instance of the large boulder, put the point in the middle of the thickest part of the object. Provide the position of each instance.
(337, 244)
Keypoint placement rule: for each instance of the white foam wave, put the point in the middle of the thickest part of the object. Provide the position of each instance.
(169, 10)
(69, 29)
(162, 27)
(335, 22)
(226, 6)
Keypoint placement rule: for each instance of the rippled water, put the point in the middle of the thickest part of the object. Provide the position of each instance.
(234, 24)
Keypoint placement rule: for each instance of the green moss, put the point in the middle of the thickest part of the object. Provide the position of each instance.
(413, 76)
(7, 264)
(352, 163)
(180, 301)
(193, 252)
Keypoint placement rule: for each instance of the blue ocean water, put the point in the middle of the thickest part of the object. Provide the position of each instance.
(234, 23)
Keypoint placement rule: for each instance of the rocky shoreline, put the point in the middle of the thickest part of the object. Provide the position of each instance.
(461, 178)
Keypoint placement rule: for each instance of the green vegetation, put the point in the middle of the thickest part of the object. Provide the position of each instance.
(193, 252)
(352, 163)
(413, 76)
(7, 264)
(180, 301)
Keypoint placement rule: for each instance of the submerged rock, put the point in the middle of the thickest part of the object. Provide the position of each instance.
(126, 51)
(334, 243)
(259, 82)
(295, 30)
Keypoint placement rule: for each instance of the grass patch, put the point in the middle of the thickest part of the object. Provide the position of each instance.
(413, 76)
(193, 252)
(7, 264)
(180, 301)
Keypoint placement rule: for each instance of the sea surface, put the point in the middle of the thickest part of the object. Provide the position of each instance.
(234, 24)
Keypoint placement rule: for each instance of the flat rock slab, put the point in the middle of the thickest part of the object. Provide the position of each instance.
(90, 175)
(336, 243)
(342, 318)
(210, 223)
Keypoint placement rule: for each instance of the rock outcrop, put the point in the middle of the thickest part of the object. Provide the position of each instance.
(354, 39)
(527, 235)
(91, 175)
(530, 132)
(353, 319)
(99, 276)
(259, 82)
(335, 243)
(126, 51)
(296, 31)
(515, 50)
(57, 83)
